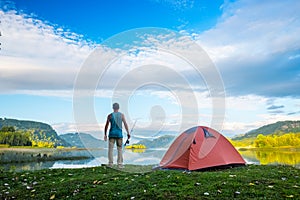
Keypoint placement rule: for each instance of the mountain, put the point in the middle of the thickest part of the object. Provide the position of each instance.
(278, 127)
(40, 131)
(83, 140)
(161, 142)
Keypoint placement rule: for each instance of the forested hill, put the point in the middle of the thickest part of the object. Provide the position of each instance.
(161, 142)
(83, 140)
(40, 131)
(278, 127)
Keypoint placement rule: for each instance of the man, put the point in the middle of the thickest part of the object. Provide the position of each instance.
(115, 135)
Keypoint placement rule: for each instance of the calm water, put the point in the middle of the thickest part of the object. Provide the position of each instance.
(153, 157)
(287, 157)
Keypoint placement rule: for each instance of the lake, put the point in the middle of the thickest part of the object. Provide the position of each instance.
(146, 157)
(272, 157)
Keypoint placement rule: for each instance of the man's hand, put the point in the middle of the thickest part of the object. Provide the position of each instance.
(128, 136)
(105, 137)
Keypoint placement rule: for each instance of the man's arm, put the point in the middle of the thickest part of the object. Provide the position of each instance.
(106, 127)
(126, 126)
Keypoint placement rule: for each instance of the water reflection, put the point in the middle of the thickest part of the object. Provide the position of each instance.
(271, 157)
(36, 159)
(75, 163)
(150, 157)
(98, 157)
(27, 166)
(137, 150)
(35, 155)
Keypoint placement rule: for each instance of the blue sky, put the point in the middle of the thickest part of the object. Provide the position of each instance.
(99, 20)
(254, 45)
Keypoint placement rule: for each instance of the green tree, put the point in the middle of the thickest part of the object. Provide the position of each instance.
(16, 138)
(7, 129)
(260, 141)
(276, 140)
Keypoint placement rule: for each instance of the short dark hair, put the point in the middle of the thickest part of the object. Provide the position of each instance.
(116, 106)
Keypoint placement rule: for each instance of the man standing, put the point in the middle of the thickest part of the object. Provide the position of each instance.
(115, 135)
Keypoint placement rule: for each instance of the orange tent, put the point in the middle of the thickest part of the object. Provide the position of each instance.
(200, 147)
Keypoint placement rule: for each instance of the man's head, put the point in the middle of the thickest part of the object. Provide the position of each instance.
(116, 106)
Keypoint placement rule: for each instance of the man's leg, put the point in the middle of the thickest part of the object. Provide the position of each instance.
(110, 151)
(120, 153)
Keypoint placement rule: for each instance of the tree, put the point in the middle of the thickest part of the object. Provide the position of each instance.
(275, 140)
(7, 129)
(15, 138)
(260, 141)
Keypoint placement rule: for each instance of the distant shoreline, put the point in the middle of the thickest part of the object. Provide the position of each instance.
(29, 154)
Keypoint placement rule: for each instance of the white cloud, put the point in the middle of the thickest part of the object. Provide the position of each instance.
(177, 4)
(244, 113)
(252, 27)
(232, 128)
(62, 128)
(51, 58)
(36, 55)
(255, 45)
(246, 103)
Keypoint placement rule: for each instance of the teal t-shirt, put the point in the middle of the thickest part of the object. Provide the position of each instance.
(115, 130)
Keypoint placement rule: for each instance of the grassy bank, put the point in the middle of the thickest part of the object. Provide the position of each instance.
(250, 182)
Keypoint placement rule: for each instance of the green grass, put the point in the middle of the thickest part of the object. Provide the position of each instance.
(250, 182)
